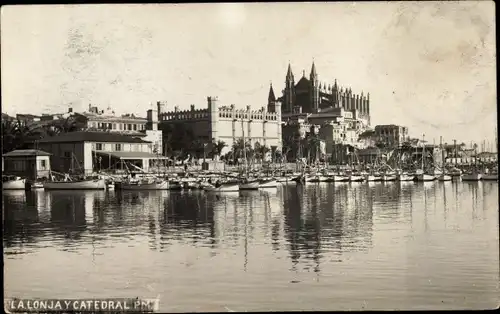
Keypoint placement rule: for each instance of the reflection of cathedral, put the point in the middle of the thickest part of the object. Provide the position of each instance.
(309, 95)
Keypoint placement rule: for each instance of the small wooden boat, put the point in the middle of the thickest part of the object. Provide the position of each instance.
(373, 178)
(145, 184)
(356, 178)
(85, 184)
(388, 177)
(175, 185)
(423, 177)
(223, 187)
(444, 177)
(268, 183)
(13, 183)
(405, 177)
(337, 178)
(489, 177)
(475, 176)
(37, 185)
(248, 184)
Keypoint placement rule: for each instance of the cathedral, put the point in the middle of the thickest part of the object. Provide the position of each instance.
(309, 95)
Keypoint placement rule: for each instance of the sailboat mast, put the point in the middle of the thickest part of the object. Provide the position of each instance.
(244, 145)
(442, 151)
(423, 151)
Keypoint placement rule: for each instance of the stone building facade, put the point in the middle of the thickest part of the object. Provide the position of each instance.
(227, 123)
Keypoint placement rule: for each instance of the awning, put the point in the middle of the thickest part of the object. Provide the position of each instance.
(130, 155)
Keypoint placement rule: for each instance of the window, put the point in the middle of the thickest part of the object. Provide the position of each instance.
(135, 127)
(43, 164)
(110, 126)
(114, 126)
(67, 154)
(118, 147)
(98, 146)
(129, 127)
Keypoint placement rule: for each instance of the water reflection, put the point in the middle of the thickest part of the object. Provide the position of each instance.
(355, 235)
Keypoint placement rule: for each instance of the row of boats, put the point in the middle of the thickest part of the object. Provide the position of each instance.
(108, 182)
(227, 182)
(397, 176)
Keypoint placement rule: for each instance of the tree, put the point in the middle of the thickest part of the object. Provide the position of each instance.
(17, 134)
(261, 151)
(240, 149)
(217, 147)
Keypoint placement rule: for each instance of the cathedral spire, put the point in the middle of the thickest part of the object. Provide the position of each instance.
(289, 73)
(271, 98)
(313, 71)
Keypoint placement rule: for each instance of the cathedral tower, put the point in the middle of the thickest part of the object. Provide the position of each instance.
(289, 92)
(314, 89)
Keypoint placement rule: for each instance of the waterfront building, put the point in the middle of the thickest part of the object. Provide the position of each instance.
(106, 120)
(91, 151)
(26, 163)
(391, 135)
(226, 123)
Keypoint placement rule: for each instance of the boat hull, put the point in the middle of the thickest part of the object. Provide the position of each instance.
(444, 177)
(356, 179)
(14, 184)
(264, 184)
(146, 186)
(249, 185)
(424, 178)
(99, 184)
(489, 177)
(338, 179)
(471, 177)
(223, 188)
(370, 178)
(405, 177)
(388, 178)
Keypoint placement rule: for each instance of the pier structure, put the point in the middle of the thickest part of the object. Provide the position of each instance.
(227, 123)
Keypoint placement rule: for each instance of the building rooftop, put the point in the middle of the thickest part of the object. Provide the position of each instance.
(131, 155)
(100, 137)
(26, 152)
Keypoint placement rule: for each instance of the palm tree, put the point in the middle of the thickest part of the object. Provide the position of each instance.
(239, 148)
(16, 134)
(313, 142)
(261, 151)
(217, 148)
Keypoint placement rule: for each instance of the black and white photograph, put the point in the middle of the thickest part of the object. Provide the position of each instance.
(243, 157)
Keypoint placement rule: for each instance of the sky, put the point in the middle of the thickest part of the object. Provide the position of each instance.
(429, 66)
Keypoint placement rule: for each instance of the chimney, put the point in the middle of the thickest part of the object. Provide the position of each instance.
(192, 107)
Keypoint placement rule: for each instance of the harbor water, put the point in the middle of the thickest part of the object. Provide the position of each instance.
(364, 246)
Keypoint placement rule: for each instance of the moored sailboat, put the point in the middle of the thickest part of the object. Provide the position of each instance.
(68, 183)
(13, 183)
